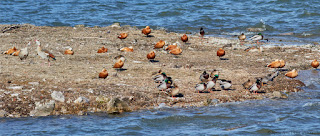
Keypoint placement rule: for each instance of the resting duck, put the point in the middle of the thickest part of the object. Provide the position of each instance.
(247, 84)
(102, 50)
(146, 31)
(202, 32)
(184, 38)
(69, 51)
(127, 49)
(16, 53)
(10, 51)
(24, 52)
(253, 49)
(103, 74)
(211, 83)
(119, 64)
(123, 36)
(171, 47)
(274, 64)
(257, 37)
(255, 87)
(176, 51)
(159, 44)
(174, 91)
(201, 87)
(214, 73)
(225, 85)
(315, 64)
(204, 76)
(292, 74)
(151, 55)
(165, 84)
(242, 37)
(160, 78)
(220, 53)
(43, 53)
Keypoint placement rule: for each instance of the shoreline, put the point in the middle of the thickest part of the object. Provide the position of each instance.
(71, 85)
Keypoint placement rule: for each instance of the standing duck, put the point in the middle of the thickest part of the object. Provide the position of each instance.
(160, 78)
(201, 87)
(123, 36)
(315, 64)
(255, 87)
(24, 52)
(146, 31)
(292, 74)
(184, 38)
(202, 32)
(174, 91)
(103, 74)
(165, 84)
(151, 55)
(225, 85)
(221, 53)
(69, 51)
(204, 76)
(43, 53)
(159, 44)
(242, 37)
(257, 37)
(247, 84)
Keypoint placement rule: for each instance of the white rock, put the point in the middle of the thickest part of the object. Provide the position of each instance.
(81, 99)
(58, 96)
(34, 83)
(15, 87)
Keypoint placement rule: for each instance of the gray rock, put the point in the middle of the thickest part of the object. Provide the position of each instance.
(43, 109)
(115, 105)
(3, 113)
(58, 96)
(81, 99)
(279, 95)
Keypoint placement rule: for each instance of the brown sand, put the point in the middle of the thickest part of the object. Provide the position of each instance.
(77, 75)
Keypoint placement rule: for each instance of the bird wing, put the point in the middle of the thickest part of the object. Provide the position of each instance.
(255, 37)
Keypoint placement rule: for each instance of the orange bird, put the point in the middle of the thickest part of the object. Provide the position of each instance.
(16, 53)
(151, 55)
(292, 74)
(184, 38)
(171, 47)
(127, 49)
(275, 64)
(123, 36)
(146, 30)
(220, 52)
(159, 44)
(103, 74)
(176, 51)
(315, 64)
(102, 50)
(10, 51)
(119, 64)
(68, 51)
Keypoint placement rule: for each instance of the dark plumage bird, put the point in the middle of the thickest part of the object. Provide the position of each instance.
(204, 76)
(202, 32)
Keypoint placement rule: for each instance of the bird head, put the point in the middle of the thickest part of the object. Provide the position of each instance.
(259, 34)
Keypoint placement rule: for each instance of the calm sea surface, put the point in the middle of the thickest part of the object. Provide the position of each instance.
(218, 17)
(298, 115)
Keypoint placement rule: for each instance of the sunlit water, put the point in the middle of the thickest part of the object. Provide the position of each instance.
(298, 115)
(218, 17)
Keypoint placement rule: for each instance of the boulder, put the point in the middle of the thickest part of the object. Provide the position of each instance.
(58, 96)
(115, 106)
(43, 109)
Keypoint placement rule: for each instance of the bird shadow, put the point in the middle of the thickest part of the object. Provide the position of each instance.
(283, 69)
(150, 36)
(179, 95)
(121, 69)
(224, 59)
(154, 61)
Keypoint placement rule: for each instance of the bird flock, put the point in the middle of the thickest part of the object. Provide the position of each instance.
(164, 82)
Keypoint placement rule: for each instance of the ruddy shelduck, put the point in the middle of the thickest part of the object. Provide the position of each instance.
(127, 49)
(159, 44)
(103, 74)
(315, 64)
(146, 31)
(292, 74)
(123, 36)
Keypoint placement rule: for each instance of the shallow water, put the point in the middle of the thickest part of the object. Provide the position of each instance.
(219, 17)
(298, 115)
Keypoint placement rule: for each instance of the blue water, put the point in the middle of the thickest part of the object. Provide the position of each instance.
(219, 17)
(297, 115)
